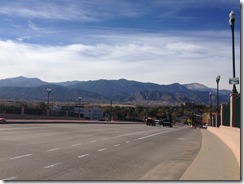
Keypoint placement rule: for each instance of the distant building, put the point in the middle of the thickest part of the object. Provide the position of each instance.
(94, 113)
(188, 104)
(89, 113)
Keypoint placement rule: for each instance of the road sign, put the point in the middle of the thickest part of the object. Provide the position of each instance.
(233, 80)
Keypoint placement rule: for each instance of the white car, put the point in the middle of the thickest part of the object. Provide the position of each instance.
(205, 126)
(157, 122)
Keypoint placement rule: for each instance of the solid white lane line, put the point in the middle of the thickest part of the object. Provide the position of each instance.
(102, 149)
(49, 166)
(54, 149)
(94, 141)
(21, 156)
(182, 139)
(140, 132)
(117, 145)
(81, 156)
(135, 133)
(76, 145)
(10, 178)
(140, 138)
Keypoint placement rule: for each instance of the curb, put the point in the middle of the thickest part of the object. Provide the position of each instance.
(41, 121)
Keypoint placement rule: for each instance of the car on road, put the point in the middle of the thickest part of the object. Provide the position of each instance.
(150, 121)
(167, 123)
(2, 120)
(157, 122)
(205, 125)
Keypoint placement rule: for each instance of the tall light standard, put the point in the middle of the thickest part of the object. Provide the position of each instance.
(111, 109)
(79, 105)
(217, 81)
(210, 102)
(232, 24)
(48, 94)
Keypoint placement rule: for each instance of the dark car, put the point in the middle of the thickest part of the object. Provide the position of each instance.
(167, 123)
(150, 121)
(2, 120)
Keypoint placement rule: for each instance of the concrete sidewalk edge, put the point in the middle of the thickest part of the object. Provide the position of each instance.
(215, 161)
(231, 137)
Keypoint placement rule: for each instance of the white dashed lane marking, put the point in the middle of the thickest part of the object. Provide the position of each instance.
(116, 145)
(103, 149)
(85, 155)
(182, 139)
(54, 149)
(74, 145)
(21, 156)
(53, 165)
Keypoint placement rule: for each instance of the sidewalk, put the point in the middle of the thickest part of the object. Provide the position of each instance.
(215, 161)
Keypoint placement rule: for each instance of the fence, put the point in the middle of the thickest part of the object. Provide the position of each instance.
(226, 113)
(238, 110)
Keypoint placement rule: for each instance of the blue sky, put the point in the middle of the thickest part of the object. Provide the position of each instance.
(160, 41)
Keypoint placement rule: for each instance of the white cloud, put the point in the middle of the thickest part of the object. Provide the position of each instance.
(71, 10)
(34, 27)
(184, 49)
(48, 10)
(158, 58)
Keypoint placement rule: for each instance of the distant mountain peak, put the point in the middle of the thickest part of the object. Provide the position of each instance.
(21, 82)
(121, 90)
(195, 86)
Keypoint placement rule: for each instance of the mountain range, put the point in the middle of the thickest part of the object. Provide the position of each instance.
(102, 91)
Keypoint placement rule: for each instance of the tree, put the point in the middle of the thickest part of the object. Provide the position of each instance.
(42, 106)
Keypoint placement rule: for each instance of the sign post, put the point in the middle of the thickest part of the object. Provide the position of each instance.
(233, 81)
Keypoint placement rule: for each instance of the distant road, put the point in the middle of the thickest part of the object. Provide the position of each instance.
(96, 151)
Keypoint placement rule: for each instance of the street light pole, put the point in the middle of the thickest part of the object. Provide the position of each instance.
(217, 80)
(79, 105)
(110, 109)
(210, 101)
(232, 25)
(48, 94)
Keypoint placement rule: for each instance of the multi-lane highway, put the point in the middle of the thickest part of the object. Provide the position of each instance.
(96, 151)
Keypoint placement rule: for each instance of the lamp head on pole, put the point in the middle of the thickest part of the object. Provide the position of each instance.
(232, 18)
(49, 90)
(218, 79)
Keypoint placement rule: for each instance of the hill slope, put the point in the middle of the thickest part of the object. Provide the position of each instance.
(122, 91)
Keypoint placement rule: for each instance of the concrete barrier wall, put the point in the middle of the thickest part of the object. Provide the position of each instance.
(231, 137)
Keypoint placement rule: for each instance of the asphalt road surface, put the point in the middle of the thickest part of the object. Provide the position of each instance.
(85, 152)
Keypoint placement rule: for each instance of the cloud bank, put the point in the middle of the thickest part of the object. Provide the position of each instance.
(150, 41)
(149, 58)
